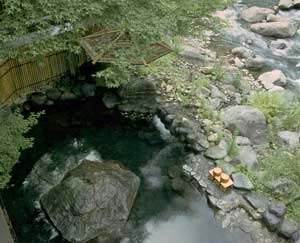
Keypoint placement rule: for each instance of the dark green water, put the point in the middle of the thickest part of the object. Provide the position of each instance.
(159, 215)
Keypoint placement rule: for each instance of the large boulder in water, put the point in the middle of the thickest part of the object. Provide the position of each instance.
(49, 171)
(282, 29)
(256, 14)
(92, 201)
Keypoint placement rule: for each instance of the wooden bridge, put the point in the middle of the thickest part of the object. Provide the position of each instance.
(19, 78)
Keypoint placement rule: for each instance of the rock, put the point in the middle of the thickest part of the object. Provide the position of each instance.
(53, 94)
(38, 98)
(92, 201)
(202, 140)
(214, 137)
(296, 4)
(110, 100)
(238, 62)
(242, 141)
(291, 139)
(296, 236)
(255, 63)
(276, 18)
(138, 96)
(287, 228)
(49, 170)
(178, 185)
(68, 95)
(88, 90)
(249, 121)
(227, 168)
(277, 208)
(285, 4)
(275, 77)
(255, 14)
(241, 181)
(276, 88)
(257, 201)
(282, 29)
(216, 93)
(242, 52)
(247, 155)
(217, 152)
(282, 186)
(271, 220)
(196, 54)
(279, 44)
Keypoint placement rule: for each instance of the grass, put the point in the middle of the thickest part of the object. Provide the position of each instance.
(275, 164)
(276, 107)
(271, 104)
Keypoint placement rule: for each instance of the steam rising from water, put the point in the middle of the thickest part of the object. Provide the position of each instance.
(197, 225)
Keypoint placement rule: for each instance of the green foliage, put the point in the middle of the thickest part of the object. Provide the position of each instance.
(291, 119)
(27, 27)
(146, 21)
(217, 72)
(234, 149)
(277, 164)
(276, 108)
(272, 104)
(13, 127)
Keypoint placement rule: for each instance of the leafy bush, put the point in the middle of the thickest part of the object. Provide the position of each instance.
(271, 104)
(13, 127)
(291, 119)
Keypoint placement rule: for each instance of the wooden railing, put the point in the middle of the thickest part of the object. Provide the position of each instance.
(20, 78)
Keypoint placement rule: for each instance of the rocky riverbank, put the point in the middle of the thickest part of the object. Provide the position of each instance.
(232, 108)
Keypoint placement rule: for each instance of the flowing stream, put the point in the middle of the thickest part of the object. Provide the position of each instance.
(238, 33)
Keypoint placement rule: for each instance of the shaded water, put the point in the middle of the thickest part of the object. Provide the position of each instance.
(159, 215)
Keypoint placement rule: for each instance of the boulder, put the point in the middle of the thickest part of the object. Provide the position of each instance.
(92, 201)
(217, 152)
(241, 181)
(138, 96)
(271, 221)
(242, 52)
(291, 139)
(53, 94)
(257, 201)
(277, 208)
(249, 121)
(88, 90)
(296, 4)
(247, 155)
(49, 170)
(110, 100)
(282, 186)
(272, 78)
(283, 29)
(279, 44)
(255, 14)
(196, 54)
(38, 98)
(68, 95)
(287, 228)
(242, 141)
(285, 4)
(255, 62)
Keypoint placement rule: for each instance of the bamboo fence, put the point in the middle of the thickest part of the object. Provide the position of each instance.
(19, 78)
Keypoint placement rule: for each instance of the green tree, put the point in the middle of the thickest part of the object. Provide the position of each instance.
(30, 23)
(13, 127)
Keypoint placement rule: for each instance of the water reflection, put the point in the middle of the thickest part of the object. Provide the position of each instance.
(195, 224)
